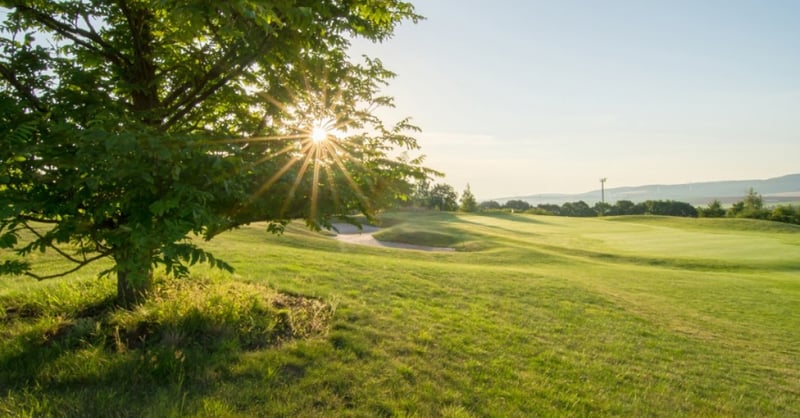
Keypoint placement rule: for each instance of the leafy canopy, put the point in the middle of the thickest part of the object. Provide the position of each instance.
(130, 125)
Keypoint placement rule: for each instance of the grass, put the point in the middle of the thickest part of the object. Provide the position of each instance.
(532, 316)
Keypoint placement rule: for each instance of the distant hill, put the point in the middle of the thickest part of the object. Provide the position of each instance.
(778, 189)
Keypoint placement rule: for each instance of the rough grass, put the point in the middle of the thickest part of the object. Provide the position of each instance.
(71, 335)
(543, 316)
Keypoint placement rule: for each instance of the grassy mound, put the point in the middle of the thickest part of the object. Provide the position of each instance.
(428, 228)
(180, 313)
(410, 235)
(213, 314)
(200, 320)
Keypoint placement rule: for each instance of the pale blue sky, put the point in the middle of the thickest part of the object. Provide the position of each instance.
(525, 97)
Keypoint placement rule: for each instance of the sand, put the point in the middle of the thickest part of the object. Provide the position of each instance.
(350, 234)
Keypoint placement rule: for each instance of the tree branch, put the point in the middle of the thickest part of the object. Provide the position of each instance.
(22, 88)
(49, 244)
(77, 35)
(198, 82)
(179, 90)
(89, 25)
(190, 102)
(72, 270)
(198, 88)
(80, 263)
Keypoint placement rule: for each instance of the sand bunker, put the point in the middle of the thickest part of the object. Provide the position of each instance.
(350, 234)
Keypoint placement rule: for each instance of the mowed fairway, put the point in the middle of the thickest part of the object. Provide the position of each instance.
(533, 316)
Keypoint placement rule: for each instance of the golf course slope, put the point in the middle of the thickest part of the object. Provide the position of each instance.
(529, 316)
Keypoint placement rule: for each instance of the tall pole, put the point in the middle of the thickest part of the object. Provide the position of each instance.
(603, 189)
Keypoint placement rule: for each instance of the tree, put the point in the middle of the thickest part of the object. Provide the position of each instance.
(421, 194)
(622, 207)
(785, 213)
(517, 205)
(548, 209)
(578, 209)
(489, 205)
(131, 126)
(735, 210)
(752, 206)
(714, 210)
(670, 208)
(443, 197)
(601, 208)
(468, 202)
(753, 201)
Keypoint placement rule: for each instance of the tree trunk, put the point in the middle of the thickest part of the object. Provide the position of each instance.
(134, 276)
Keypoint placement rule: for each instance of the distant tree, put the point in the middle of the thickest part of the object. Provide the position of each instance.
(443, 197)
(577, 209)
(517, 205)
(468, 202)
(640, 208)
(622, 207)
(684, 209)
(421, 194)
(752, 206)
(753, 201)
(735, 210)
(785, 213)
(714, 210)
(489, 205)
(548, 209)
(670, 208)
(602, 208)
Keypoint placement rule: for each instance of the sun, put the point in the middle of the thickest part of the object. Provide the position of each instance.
(319, 134)
(324, 130)
(316, 143)
(321, 130)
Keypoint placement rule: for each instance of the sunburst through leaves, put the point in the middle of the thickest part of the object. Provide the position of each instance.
(328, 149)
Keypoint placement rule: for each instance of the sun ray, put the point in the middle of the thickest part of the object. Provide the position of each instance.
(322, 123)
(263, 138)
(279, 173)
(284, 150)
(264, 187)
(296, 183)
(315, 185)
(361, 196)
(337, 200)
(271, 99)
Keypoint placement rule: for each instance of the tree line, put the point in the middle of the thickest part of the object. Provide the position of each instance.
(752, 206)
(444, 197)
(582, 209)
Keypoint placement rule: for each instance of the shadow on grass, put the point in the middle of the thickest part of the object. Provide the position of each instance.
(102, 361)
(514, 217)
(54, 379)
(676, 263)
(712, 224)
